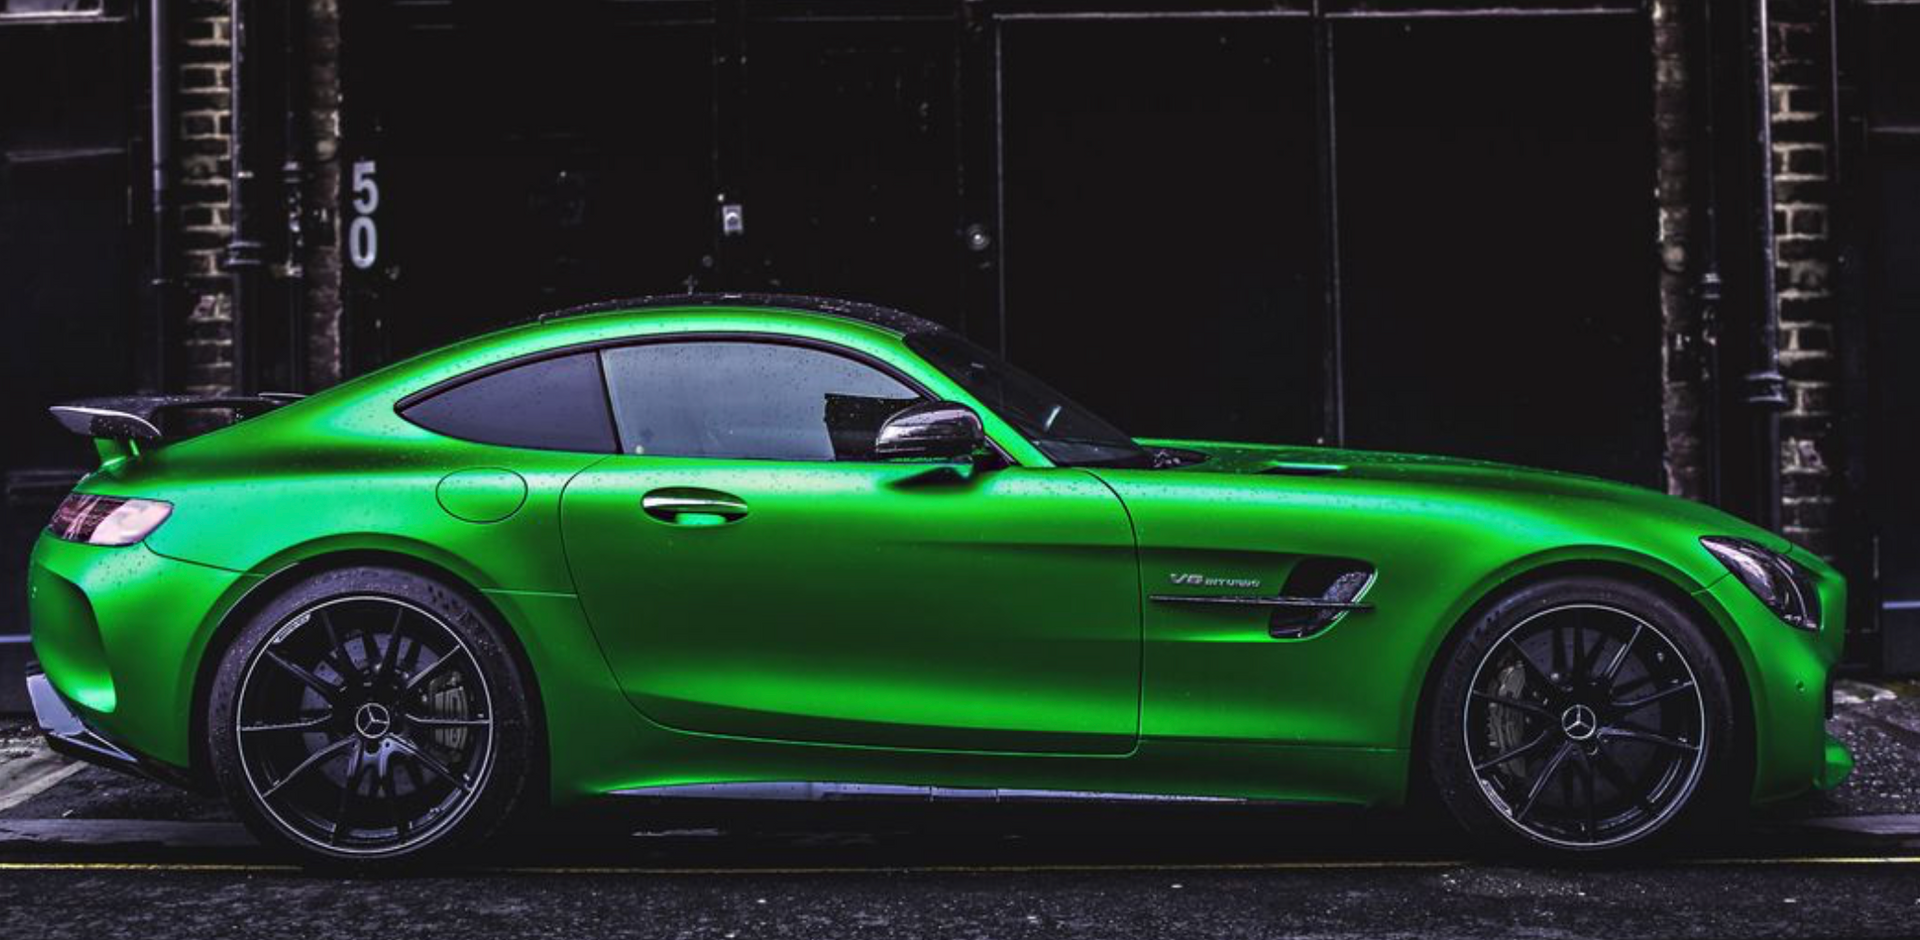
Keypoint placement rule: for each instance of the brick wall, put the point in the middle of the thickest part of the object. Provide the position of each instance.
(1802, 136)
(205, 123)
(202, 215)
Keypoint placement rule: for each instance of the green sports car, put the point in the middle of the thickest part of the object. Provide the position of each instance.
(759, 547)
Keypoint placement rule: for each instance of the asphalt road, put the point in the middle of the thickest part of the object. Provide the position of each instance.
(96, 855)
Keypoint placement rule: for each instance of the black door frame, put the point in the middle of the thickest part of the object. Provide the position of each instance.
(32, 486)
(1857, 154)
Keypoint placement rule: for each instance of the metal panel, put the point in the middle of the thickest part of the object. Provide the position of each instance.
(1889, 196)
(1496, 224)
(851, 184)
(1133, 198)
(1161, 224)
(67, 258)
(524, 162)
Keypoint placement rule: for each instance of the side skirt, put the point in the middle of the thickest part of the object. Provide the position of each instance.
(824, 791)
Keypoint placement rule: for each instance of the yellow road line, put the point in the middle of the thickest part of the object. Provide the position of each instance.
(635, 870)
(1811, 860)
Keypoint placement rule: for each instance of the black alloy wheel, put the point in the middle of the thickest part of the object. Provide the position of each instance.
(373, 718)
(1582, 716)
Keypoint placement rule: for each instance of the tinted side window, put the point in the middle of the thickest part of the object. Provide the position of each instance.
(549, 404)
(753, 400)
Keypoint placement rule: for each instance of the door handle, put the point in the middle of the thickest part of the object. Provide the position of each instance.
(691, 506)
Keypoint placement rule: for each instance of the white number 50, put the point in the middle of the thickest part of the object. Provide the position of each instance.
(363, 237)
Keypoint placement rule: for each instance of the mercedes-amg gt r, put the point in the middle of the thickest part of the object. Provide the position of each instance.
(787, 548)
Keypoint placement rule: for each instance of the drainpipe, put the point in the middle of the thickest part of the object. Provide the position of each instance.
(1702, 163)
(293, 178)
(160, 143)
(1766, 388)
(243, 247)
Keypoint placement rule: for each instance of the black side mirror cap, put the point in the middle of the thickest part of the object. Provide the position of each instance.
(937, 430)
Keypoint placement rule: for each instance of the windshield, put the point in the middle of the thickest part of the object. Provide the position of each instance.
(1068, 434)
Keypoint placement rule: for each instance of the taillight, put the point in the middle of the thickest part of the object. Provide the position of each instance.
(107, 520)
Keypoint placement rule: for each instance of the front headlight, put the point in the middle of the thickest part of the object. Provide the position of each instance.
(107, 520)
(1781, 583)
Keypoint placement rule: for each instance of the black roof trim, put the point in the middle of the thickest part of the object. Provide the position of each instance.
(887, 318)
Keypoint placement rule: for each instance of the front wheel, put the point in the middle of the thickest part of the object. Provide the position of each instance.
(1581, 715)
(366, 715)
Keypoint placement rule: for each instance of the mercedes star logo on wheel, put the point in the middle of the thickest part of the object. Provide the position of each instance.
(372, 720)
(1579, 722)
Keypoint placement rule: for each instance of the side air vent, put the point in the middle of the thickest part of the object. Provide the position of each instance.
(1338, 581)
(1294, 469)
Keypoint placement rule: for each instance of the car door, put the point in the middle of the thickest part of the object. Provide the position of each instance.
(752, 570)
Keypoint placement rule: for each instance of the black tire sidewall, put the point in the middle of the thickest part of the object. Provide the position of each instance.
(507, 783)
(1451, 773)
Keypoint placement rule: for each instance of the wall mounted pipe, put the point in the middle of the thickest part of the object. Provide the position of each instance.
(160, 188)
(1766, 388)
(244, 251)
(293, 180)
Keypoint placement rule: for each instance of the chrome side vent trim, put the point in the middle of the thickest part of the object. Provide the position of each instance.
(1317, 594)
(1257, 600)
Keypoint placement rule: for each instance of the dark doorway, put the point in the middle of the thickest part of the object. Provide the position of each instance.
(1162, 221)
(1890, 196)
(851, 187)
(1141, 206)
(530, 159)
(1497, 231)
(67, 258)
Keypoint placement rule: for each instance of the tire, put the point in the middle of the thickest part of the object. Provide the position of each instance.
(1537, 749)
(370, 716)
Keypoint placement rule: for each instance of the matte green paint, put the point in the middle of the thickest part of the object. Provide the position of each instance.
(890, 622)
(482, 494)
(868, 603)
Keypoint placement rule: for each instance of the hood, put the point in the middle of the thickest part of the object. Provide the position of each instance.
(1282, 463)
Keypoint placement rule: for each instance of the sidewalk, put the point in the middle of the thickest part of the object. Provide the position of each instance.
(1880, 724)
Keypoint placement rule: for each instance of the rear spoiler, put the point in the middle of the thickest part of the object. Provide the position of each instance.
(128, 419)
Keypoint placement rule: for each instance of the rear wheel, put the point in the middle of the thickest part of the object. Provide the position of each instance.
(1581, 715)
(367, 715)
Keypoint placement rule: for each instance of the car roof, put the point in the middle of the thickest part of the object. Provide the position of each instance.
(885, 318)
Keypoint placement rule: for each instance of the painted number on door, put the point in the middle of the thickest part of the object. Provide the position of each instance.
(363, 236)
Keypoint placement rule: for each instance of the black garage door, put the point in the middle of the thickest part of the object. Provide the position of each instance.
(1357, 224)
(1888, 193)
(67, 254)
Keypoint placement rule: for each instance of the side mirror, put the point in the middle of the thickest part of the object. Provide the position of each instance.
(942, 430)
